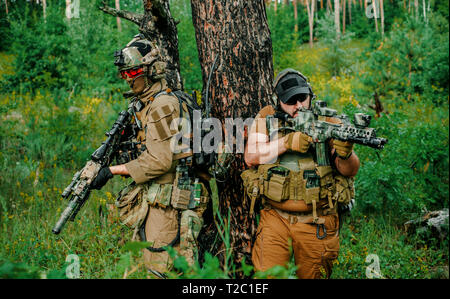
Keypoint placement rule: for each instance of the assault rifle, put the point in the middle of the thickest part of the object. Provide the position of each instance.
(115, 146)
(312, 122)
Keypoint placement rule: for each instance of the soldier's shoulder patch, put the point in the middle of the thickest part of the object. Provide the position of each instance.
(159, 121)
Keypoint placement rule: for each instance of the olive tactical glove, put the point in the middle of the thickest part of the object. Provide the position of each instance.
(102, 178)
(297, 141)
(343, 148)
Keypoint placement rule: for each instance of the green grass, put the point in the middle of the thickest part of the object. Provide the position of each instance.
(400, 256)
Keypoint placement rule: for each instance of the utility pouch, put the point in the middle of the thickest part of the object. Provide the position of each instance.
(327, 186)
(158, 194)
(199, 196)
(180, 198)
(297, 185)
(181, 193)
(250, 180)
(345, 189)
(275, 181)
(312, 186)
(132, 207)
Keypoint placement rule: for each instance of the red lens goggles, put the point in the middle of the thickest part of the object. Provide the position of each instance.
(131, 73)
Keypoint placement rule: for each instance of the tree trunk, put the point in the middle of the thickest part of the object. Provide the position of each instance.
(157, 25)
(382, 17)
(294, 2)
(336, 19)
(343, 16)
(44, 9)
(375, 16)
(424, 11)
(310, 21)
(6, 6)
(329, 7)
(237, 34)
(119, 25)
(321, 4)
(416, 6)
(350, 11)
(276, 6)
(68, 9)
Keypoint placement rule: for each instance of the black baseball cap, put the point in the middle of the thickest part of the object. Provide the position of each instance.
(290, 85)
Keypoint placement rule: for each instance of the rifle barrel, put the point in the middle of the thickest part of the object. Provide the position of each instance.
(71, 207)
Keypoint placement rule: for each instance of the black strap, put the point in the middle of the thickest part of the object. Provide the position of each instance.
(162, 248)
(320, 237)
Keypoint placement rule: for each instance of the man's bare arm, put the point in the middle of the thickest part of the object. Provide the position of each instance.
(349, 167)
(260, 150)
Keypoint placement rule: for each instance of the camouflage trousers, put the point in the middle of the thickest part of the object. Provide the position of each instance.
(161, 228)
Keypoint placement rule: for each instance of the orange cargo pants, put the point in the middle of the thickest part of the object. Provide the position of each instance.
(313, 257)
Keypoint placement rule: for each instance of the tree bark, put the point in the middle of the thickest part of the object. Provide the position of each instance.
(350, 11)
(119, 25)
(343, 16)
(375, 16)
(416, 6)
(157, 25)
(237, 34)
(294, 2)
(68, 15)
(6, 6)
(310, 21)
(382, 17)
(44, 8)
(336, 19)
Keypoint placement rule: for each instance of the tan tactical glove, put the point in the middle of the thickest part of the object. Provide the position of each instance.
(297, 141)
(343, 148)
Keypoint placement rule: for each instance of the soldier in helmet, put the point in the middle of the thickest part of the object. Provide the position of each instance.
(158, 204)
(288, 218)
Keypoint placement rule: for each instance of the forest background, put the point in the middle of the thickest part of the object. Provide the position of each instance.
(60, 92)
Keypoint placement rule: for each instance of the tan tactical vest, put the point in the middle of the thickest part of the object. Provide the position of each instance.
(294, 178)
(163, 191)
(141, 135)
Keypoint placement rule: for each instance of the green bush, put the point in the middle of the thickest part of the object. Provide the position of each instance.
(410, 174)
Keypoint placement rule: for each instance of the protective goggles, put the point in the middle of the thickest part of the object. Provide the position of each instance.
(297, 98)
(131, 73)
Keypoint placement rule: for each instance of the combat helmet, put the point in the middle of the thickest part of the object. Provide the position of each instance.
(141, 53)
(290, 82)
